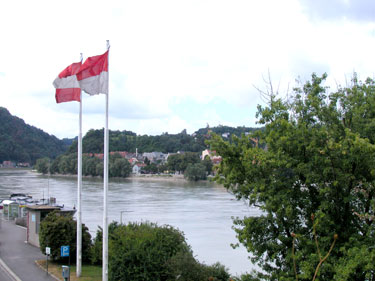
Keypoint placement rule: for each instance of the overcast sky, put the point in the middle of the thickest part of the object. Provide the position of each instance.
(176, 65)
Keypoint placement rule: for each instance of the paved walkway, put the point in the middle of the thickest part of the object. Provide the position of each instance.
(17, 258)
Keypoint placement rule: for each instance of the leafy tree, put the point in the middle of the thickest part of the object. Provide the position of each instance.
(208, 164)
(195, 172)
(58, 230)
(42, 165)
(151, 169)
(179, 162)
(174, 162)
(319, 163)
(89, 166)
(119, 167)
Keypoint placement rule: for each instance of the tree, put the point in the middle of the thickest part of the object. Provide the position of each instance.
(208, 164)
(119, 167)
(58, 230)
(315, 179)
(42, 165)
(195, 172)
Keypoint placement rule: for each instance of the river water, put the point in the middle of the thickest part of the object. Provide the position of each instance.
(203, 210)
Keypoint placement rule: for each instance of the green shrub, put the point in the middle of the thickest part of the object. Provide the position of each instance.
(146, 251)
(186, 268)
(96, 255)
(58, 230)
(142, 251)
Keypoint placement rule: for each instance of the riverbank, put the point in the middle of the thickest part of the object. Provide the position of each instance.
(132, 177)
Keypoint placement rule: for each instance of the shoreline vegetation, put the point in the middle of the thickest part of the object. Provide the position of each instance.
(141, 177)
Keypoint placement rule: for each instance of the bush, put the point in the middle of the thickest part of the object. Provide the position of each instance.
(145, 251)
(96, 255)
(186, 268)
(141, 251)
(58, 230)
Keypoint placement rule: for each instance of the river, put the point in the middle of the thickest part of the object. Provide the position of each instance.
(202, 210)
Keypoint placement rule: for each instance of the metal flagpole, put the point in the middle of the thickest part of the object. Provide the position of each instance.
(79, 192)
(105, 199)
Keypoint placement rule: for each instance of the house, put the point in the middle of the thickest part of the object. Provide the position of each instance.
(215, 159)
(137, 168)
(9, 164)
(155, 156)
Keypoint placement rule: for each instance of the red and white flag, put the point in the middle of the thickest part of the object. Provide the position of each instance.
(93, 75)
(67, 85)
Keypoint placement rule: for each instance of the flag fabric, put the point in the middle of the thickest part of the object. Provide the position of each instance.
(67, 85)
(93, 75)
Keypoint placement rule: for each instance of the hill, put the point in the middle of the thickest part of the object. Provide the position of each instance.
(93, 141)
(20, 142)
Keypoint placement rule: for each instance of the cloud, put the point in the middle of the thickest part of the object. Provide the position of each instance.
(355, 10)
(176, 64)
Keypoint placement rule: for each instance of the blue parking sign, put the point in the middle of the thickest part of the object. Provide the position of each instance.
(65, 251)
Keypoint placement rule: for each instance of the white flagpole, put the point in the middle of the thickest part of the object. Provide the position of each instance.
(79, 192)
(105, 199)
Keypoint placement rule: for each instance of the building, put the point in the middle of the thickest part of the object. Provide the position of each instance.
(36, 214)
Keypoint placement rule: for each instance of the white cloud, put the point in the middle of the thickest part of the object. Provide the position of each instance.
(164, 53)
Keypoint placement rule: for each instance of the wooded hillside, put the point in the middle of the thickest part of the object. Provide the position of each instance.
(20, 142)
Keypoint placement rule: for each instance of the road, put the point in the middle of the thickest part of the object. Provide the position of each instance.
(18, 255)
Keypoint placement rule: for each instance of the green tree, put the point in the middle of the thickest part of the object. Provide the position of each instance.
(89, 166)
(42, 165)
(208, 164)
(58, 230)
(319, 160)
(119, 167)
(195, 172)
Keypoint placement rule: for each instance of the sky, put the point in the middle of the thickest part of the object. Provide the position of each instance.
(176, 65)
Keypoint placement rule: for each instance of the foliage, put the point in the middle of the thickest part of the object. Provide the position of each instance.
(96, 255)
(93, 141)
(152, 168)
(195, 172)
(91, 166)
(146, 251)
(187, 268)
(20, 142)
(141, 251)
(42, 165)
(58, 230)
(180, 161)
(118, 166)
(319, 159)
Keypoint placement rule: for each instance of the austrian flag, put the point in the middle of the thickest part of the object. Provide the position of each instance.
(93, 75)
(66, 84)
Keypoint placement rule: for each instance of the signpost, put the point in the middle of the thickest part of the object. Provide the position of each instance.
(48, 252)
(65, 252)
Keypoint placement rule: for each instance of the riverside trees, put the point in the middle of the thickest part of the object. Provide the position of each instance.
(314, 182)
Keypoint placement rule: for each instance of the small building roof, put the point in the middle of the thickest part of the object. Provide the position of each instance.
(43, 207)
(7, 202)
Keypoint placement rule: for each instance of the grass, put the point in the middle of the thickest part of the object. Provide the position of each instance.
(89, 272)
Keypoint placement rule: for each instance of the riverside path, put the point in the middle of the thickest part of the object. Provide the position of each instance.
(17, 258)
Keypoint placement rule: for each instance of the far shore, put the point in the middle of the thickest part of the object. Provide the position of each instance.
(140, 177)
